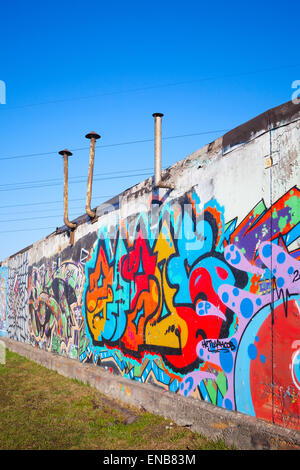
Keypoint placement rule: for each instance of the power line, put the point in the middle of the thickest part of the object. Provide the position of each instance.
(43, 210)
(30, 218)
(55, 152)
(49, 202)
(41, 215)
(38, 217)
(33, 218)
(73, 178)
(26, 229)
(74, 182)
(151, 87)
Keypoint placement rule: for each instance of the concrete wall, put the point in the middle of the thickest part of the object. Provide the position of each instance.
(194, 290)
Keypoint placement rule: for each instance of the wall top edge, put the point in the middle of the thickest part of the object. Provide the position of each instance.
(271, 119)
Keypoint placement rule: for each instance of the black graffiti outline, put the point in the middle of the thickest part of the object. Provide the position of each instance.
(217, 345)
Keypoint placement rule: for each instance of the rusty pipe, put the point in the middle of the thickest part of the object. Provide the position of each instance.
(93, 137)
(66, 153)
(158, 183)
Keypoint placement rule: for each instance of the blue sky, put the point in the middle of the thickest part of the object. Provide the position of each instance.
(71, 67)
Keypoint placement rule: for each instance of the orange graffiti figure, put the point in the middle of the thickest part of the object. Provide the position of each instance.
(138, 268)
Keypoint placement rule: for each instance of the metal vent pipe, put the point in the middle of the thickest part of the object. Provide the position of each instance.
(158, 183)
(92, 136)
(66, 153)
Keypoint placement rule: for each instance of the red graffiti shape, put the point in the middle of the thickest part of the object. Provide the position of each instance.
(198, 328)
(279, 402)
(201, 287)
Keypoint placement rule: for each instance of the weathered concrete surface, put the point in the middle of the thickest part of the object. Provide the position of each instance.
(236, 429)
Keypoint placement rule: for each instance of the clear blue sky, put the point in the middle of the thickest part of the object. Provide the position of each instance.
(71, 67)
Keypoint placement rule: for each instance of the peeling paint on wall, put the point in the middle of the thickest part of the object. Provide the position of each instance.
(3, 287)
(17, 298)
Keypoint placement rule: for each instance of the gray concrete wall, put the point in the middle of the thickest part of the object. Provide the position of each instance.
(192, 291)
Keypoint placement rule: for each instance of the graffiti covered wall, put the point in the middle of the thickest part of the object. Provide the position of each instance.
(17, 298)
(195, 290)
(3, 283)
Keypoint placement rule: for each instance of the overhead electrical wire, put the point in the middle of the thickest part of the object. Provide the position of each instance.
(45, 211)
(44, 185)
(26, 229)
(13, 157)
(31, 218)
(150, 87)
(49, 202)
(80, 178)
(53, 152)
(77, 179)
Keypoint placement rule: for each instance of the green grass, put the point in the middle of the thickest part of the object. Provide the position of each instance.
(40, 409)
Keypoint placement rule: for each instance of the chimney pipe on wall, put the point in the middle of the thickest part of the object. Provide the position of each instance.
(93, 137)
(158, 183)
(66, 153)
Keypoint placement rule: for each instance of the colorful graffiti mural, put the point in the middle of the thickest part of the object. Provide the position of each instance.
(17, 298)
(201, 306)
(55, 299)
(177, 297)
(3, 286)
